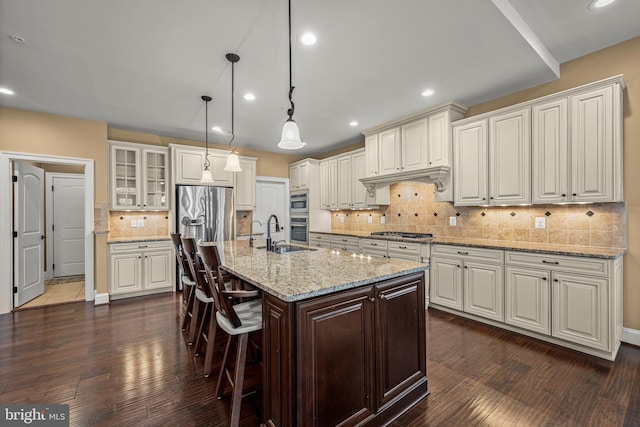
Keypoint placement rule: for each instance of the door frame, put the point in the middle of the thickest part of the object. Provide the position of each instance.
(48, 179)
(286, 199)
(6, 220)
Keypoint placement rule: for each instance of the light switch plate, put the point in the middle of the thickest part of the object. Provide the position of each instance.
(134, 223)
(452, 221)
(541, 222)
(382, 220)
(370, 220)
(342, 219)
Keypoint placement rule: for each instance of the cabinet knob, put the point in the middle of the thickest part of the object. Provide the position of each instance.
(382, 296)
(484, 198)
(574, 194)
(490, 198)
(544, 278)
(564, 195)
(556, 280)
(466, 266)
(458, 265)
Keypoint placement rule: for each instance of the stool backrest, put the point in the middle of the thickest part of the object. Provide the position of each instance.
(190, 252)
(211, 261)
(182, 262)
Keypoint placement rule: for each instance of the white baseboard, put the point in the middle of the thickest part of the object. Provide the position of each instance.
(630, 336)
(101, 299)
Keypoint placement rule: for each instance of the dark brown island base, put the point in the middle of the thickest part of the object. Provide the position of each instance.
(344, 340)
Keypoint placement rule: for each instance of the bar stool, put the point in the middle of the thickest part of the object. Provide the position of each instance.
(236, 320)
(188, 284)
(203, 298)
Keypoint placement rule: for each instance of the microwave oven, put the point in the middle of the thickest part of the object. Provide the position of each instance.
(299, 203)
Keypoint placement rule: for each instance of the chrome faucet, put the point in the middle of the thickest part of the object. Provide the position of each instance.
(251, 232)
(275, 245)
(269, 248)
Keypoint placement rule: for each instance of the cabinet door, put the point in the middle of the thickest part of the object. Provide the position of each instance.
(157, 269)
(125, 178)
(344, 182)
(550, 170)
(333, 184)
(294, 177)
(371, 150)
(414, 145)
(304, 176)
(334, 335)
(580, 310)
(510, 158)
(470, 164)
(439, 139)
(484, 290)
(592, 154)
(359, 196)
(389, 151)
(246, 185)
(189, 166)
(446, 282)
(221, 177)
(125, 273)
(400, 338)
(527, 299)
(324, 184)
(154, 179)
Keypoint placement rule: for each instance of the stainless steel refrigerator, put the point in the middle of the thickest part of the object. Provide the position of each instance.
(205, 212)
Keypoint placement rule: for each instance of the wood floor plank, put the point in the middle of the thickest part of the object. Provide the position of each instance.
(128, 364)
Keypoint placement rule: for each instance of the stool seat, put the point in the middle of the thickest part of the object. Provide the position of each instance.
(250, 315)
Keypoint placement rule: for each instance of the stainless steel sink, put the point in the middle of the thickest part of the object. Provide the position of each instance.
(289, 248)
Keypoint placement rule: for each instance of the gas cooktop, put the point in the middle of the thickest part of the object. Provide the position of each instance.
(405, 235)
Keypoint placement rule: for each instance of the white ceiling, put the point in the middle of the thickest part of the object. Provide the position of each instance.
(143, 64)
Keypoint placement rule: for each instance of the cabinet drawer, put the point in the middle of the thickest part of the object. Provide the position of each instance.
(403, 250)
(594, 266)
(346, 240)
(466, 252)
(314, 237)
(127, 247)
(378, 245)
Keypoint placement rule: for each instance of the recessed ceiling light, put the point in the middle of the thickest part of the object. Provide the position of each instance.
(353, 123)
(427, 92)
(249, 96)
(308, 39)
(17, 38)
(597, 4)
(216, 129)
(5, 91)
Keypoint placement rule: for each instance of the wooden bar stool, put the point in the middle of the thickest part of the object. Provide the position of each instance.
(236, 320)
(203, 301)
(188, 284)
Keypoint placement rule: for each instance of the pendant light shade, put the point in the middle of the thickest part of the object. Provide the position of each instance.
(233, 162)
(207, 177)
(290, 132)
(290, 136)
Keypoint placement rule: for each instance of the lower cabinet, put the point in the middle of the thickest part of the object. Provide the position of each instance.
(320, 240)
(360, 355)
(140, 269)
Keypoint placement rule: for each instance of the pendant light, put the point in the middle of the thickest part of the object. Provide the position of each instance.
(290, 133)
(233, 162)
(207, 177)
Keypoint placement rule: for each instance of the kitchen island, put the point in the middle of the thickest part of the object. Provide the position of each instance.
(343, 334)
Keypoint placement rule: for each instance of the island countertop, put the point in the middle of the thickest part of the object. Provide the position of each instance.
(300, 275)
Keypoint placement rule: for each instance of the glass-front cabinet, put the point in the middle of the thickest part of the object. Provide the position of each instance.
(138, 177)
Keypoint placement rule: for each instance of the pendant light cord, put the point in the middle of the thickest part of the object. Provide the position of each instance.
(291, 87)
(206, 134)
(233, 135)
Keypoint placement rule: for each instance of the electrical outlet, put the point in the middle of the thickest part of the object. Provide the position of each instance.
(141, 223)
(382, 220)
(452, 221)
(370, 220)
(541, 222)
(134, 223)
(342, 219)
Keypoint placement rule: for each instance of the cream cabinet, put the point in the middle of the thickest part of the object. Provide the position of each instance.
(439, 149)
(301, 174)
(371, 154)
(345, 243)
(329, 183)
(188, 163)
(469, 280)
(492, 163)
(320, 240)
(138, 177)
(389, 160)
(413, 147)
(140, 269)
(246, 184)
(527, 299)
(374, 247)
(345, 179)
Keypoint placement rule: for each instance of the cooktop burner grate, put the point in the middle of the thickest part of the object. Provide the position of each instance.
(406, 235)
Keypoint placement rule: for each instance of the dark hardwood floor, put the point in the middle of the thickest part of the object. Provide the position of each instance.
(128, 364)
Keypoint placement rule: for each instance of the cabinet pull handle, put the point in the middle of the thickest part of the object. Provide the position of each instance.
(372, 299)
(463, 253)
(550, 262)
(143, 246)
(402, 247)
(382, 296)
(374, 244)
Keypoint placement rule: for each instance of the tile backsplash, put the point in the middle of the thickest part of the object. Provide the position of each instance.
(413, 208)
(156, 224)
(243, 222)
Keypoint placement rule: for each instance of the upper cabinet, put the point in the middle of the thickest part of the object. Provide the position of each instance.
(188, 163)
(302, 174)
(246, 184)
(329, 183)
(562, 148)
(138, 176)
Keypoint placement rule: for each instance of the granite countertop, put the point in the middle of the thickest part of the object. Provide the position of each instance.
(138, 239)
(300, 275)
(545, 248)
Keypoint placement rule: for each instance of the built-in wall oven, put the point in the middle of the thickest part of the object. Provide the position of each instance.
(300, 230)
(299, 203)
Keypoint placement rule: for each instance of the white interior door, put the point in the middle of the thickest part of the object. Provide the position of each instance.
(272, 197)
(68, 225)
(29, 227)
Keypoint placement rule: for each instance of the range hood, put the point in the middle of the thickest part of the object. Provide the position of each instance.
(438, 175)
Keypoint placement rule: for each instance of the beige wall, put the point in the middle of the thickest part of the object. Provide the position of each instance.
(623, 58)
(268, 164)
(341, 150)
